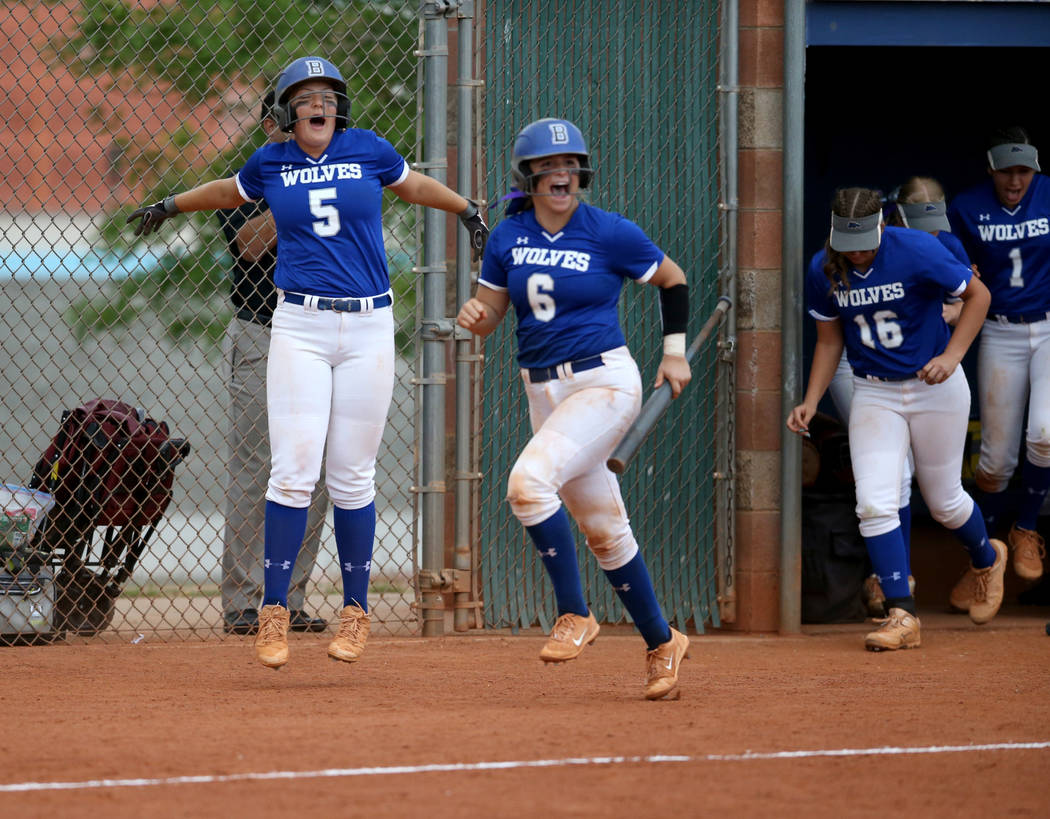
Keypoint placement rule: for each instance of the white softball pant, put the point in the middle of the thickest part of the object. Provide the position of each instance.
(577, 421)
(1013, 363)
(330, 375)
(841, 390)
(886, 418)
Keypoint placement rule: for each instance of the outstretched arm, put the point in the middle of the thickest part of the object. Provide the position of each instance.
(214, 195)
(425, 190)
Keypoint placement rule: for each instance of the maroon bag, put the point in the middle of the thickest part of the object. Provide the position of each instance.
(109, 468)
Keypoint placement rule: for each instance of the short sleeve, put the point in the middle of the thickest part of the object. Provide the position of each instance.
(391, 167)
(632, 252)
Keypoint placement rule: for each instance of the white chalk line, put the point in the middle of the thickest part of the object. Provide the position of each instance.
(462, 767)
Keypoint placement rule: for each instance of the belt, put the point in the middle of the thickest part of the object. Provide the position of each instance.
(890, 379)
(1020, 318)
(537, 375)
(365, 305)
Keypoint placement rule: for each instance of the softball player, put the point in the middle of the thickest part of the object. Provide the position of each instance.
(880, 295)
(1004, 224)
(562, 264)
(330, 372)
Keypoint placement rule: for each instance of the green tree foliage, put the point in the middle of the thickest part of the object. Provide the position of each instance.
(220, 53)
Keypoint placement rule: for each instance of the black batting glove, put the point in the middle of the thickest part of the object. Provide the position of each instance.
(153, 215)
(478, 231)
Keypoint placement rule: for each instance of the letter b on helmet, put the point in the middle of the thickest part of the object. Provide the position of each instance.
(548, 137)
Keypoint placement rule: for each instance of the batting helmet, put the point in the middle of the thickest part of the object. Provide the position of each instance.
(300, 71)
(548, 137)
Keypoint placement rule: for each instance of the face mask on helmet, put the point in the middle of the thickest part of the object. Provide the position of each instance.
(547, 137)
(304, 70)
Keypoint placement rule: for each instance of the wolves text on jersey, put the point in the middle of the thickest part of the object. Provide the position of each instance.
(859, 296)
(321, 173)
(569, 259)
(1009, 233)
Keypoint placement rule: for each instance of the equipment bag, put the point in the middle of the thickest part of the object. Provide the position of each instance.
(834, 560)
(109, 468)
(27, 584)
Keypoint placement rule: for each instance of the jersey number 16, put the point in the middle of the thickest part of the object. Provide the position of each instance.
(888, 330)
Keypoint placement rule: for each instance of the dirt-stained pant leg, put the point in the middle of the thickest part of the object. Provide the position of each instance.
(1002, 379)
(244, 353)
(577, 422)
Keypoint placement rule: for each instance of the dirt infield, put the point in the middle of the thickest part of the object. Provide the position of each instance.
(475, 725)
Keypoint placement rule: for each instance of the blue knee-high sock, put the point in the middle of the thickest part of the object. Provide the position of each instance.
(904, 513)
(974, 537)
(992, 504)
(283, 531)
(890, 563)
(557, 547)
(635, 590)
(355, 535)
(1036, 482)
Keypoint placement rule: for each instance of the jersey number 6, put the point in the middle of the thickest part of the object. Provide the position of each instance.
(539, 288)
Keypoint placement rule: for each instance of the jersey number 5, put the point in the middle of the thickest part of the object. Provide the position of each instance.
(327, 214)
(888, 331)
(539, 288)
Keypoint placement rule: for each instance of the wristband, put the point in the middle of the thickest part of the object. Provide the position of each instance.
(674, 344)
(469, 211)
(674, 308)
(170, 206)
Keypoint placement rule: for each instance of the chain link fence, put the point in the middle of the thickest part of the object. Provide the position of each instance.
(108, 105)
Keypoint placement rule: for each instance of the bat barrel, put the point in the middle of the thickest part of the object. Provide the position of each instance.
(657, 403)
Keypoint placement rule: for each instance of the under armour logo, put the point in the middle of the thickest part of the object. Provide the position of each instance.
(286, 167)
(285, 564)
(626, 587)
(551, 552)
(984, 217)
(367, 566)
(522, 240)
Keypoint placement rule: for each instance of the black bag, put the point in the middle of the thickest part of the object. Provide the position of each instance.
(109, 468)
(834, 559)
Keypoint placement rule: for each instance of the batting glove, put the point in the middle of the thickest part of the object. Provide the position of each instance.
(153, 215)
(478, 231)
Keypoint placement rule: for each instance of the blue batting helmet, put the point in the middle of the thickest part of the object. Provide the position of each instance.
(548, 137)
(300, 71)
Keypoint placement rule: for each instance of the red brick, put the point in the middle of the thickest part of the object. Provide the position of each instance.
(757, 541)
(757, 417)
(759, 239)
(761, 12)
(758, 361)
(760, 179)
(762, 57)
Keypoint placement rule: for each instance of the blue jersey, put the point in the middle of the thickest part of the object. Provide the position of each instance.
(891, 314)
(1011, 248)
(565, 288)
(955, 247)
(328, 211)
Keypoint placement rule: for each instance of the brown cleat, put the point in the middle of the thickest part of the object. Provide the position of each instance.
(961, 597)
(873, 597)
(661, 667)
(349, 644)
(899, 630)
(988, 586)
(571, 634)
(271, 640)
(1029, 551)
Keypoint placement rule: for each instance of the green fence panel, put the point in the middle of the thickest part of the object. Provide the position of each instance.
(640, 80)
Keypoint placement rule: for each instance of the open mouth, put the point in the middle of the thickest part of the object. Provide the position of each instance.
(560, 190)
(317, 121)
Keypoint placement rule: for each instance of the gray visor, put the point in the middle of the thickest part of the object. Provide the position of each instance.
(928, 216)
(850, 233)
(1013, 153)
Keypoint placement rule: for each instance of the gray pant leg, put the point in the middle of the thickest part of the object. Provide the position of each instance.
(245, 348)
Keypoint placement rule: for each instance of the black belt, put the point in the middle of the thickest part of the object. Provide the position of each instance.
(1021, 318)
(891, 379)
(537, 375)
(342, 305)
